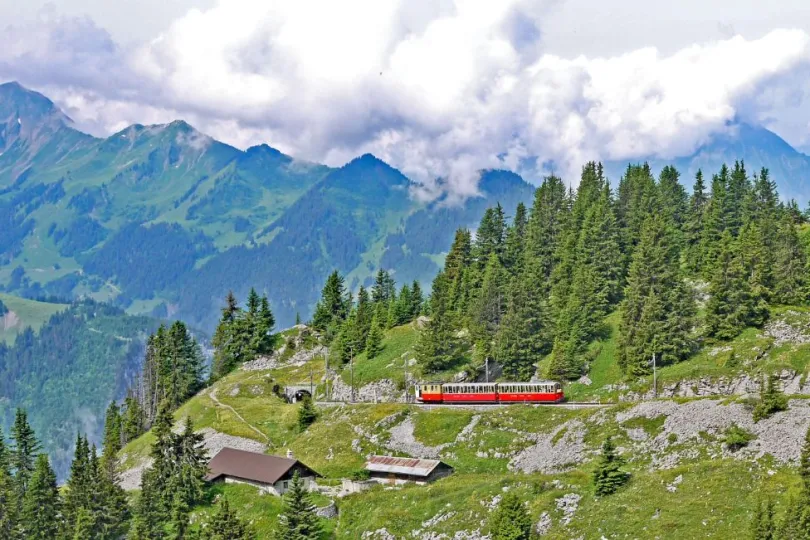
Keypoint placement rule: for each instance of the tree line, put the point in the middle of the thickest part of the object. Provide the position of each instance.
(543, 281)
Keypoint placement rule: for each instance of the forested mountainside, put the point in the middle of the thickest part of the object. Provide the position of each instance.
(67, 371)
(581, 286)
(152, 218)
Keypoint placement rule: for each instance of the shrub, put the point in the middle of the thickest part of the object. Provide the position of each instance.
(306, 414)
(771, 400)
(736, 437)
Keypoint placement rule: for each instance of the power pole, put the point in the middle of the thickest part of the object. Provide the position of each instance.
(311, 388)
(486, 367)
(655, 379)
(351, 369)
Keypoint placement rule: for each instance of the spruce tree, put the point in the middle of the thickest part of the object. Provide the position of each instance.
(524, 335)
(306, 414)
(298, 520)
(490, 237)
(332, 308)
(762, 524)
(804, 467)
(40, 518)
(515, 240)
(225, 525)
(511, 520)
(417, 300)
(731, 306)
(374, 339)
(771, 400)
(790, 265)
(608, 476)
(672, 198)
(658, 309)
(693, 227)
(438, 346)
(490, 304)
(24, 450)
(544, 229)
(8, 503)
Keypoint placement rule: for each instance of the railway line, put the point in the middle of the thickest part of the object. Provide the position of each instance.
(477, 406)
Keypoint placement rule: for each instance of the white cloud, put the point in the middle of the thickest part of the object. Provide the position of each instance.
(438, 89)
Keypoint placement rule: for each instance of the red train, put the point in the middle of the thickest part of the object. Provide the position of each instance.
(537, 392)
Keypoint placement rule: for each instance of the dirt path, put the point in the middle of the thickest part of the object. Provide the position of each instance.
(213, 395)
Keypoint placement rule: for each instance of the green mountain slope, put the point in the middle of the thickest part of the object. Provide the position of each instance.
(83, 356)
(139, 216)
(21, 313)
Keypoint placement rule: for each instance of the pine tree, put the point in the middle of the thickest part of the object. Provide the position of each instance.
(232, 339)
(298, 520)
(80, 487)
(544, 229)
(790, 265)
(693, 227)
(637, 199)
(515, 240)
(771, 400)
(804, 467)
(24, 449)
(263, 327)
(41, 504)
(511, 520)
(374, 339)
(132, 419)
(490, 237)
(658, 309)
(524, 335)
(490, 304)
(332, 308)
(416, 300)
(438, 346)
(672, 197)
(608, 476)
(732, 305)
(225, 525)
(306, 414)
(762, 525)
(8, 502)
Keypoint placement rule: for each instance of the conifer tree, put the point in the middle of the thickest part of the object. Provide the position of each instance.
(511, 520)
(232, 340)
(771, 400)
(41, 503)
(374, 339)
(672, 197)
(225, 525)
(263, 328)
(332, 308)
(637, 199)
(298, 520)
(490, 237)
(804, 466)
(544, 229)
(438, 346)
(132, 419)
(731, 306)
(24, 450)
(490, 304)
(417, 300)
(693, 227)
(8, 503)
(716, 222)
(790, 265)
(524, 335)
(515, 240)
(608, 476)
(762, 525)
(658, 308)
(306, 414)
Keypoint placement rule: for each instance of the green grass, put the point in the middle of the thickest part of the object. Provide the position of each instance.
(398, 349)
(25, 313)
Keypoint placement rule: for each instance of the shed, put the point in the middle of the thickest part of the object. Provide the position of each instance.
(271, 474)
(397, 470)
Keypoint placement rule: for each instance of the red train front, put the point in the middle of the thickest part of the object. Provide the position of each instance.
(536, 392)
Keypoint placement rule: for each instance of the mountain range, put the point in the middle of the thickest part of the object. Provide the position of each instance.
(164, 220)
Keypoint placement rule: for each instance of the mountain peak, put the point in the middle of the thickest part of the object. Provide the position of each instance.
(27, 105)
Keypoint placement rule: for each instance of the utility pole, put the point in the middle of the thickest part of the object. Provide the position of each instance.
(351, 369)
(486, 367)
(311, 387)
(655, 379)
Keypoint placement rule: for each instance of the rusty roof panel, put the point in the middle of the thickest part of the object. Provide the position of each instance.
(401, 465)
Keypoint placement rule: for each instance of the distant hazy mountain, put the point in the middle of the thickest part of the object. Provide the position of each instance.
(756, 146)
(165, 220)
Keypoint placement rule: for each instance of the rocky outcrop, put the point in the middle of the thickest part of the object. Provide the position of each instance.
(382, 391)
(558, 451)
(792, 383)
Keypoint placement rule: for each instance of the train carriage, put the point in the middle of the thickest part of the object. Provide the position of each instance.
(509, 392)
(538, 392)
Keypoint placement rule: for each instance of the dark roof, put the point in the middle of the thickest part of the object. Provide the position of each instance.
(252, 466)
(400, 465)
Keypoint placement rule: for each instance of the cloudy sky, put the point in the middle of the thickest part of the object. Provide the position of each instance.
(438, 88)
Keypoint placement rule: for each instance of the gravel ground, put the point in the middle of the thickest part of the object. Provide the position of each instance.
(548, 456)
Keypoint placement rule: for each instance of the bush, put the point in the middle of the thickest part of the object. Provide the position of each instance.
(771, 400)
(360, 475)
(736, 437)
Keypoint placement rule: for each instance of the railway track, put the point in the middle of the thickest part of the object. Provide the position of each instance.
(480, 406)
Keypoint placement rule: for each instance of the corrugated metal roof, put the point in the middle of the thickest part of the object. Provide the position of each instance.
(400, 465)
